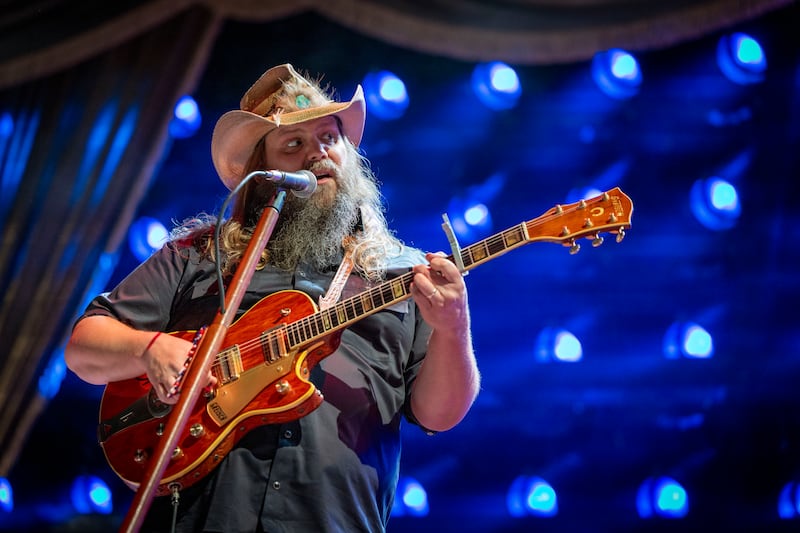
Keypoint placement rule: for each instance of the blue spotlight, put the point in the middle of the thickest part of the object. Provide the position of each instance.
(145, 236)
(186, 120)
(496, 85)
(662, 497)
(6, 496)
(6, 125)
(476, 214)
(470, 214)
(469, 217)
(560, 345)
(531, 496)
(413, 500)
(687, 339)
(386, 95)
(741, 59)
(715, 203)
(616, 73)
(90, 494)
(789, 501)
(53, 375)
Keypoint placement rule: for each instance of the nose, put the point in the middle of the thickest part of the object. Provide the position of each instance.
(317, 151)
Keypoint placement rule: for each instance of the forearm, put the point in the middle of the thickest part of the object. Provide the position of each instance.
(102, 349)
(448, 381)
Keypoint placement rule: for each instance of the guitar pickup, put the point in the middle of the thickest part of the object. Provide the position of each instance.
(229, 364)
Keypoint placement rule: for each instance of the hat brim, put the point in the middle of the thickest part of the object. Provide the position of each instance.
(237, 132)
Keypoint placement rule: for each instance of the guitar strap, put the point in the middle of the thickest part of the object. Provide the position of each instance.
(340, 279)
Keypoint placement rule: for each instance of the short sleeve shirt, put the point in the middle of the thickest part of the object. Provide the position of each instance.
(335, 469)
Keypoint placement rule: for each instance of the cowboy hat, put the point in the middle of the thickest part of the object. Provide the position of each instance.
(280, 97)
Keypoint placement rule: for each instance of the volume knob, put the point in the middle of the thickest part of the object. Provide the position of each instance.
(283, 386)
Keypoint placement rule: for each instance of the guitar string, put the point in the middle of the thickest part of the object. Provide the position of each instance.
(311, 323)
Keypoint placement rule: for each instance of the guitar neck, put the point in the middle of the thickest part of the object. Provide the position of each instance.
(390, 292)
(562, 224)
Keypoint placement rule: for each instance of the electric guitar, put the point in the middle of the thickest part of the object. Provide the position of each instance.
(263, 373)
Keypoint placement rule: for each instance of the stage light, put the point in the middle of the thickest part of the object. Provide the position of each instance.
(476, 215)
(470, 213)
(741, 59)
(386, 95)
(145, 236)
(688, 339)
(90, 494)
(616, 73)
(186, 118)
(662, 497)
(789, 501)
(531, 496)
(53, 375)
(496, 85)
(6, 496)
(469, 217)
(553, 344)
(715, 203)
(412, 501)
(6, 125)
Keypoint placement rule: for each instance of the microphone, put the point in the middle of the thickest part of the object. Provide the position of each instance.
(302, 183)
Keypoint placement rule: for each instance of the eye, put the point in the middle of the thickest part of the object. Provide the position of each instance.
(293, 143)
(330, 137)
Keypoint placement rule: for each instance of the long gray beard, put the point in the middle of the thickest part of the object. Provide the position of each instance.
(313, 233)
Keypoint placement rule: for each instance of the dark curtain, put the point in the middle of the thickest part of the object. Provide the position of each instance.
(78, 151)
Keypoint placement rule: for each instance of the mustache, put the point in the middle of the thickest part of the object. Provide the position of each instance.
(324, 166)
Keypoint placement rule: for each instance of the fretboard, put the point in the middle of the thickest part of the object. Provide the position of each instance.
(395, 290)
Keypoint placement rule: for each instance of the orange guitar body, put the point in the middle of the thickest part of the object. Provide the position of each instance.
(262, 386)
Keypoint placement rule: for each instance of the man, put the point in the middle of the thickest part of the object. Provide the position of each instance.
(335, 469)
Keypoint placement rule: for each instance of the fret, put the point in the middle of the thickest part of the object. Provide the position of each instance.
(366, 302)
(496, 246)
(398, 290)
(466, 258)
(513, 236)
(317, 323)
(326, 319)
(384, 291)
(478, 252)
(306, 329)
(341, 315)
(351, 310)
(294, 334)
(358, 307)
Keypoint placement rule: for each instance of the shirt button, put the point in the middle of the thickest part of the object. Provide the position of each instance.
(276, 485)
(287, 434)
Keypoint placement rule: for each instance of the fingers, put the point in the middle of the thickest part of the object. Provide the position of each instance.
(439, 284)
(168, 365)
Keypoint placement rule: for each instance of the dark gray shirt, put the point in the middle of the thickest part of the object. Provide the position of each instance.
(335, 469)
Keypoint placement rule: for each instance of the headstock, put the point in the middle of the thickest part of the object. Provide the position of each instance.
(609, 212)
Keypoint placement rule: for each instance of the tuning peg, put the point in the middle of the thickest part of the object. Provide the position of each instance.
(574, 248)
(597, 240)
(620, 234)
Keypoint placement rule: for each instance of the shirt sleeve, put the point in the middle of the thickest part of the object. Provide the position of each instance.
(144, 299)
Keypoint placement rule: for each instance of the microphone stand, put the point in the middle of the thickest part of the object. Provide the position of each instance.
(197, 373)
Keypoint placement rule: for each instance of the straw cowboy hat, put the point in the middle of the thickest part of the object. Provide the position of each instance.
(280, 97)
